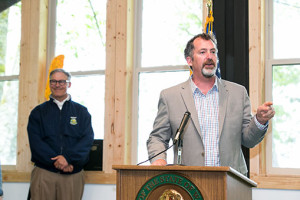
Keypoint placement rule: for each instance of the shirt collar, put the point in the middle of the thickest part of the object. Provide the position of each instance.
(60, 103)
(195, 88)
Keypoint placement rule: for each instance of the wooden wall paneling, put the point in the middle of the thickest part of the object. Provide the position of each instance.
(117, 85)
(109, 122)
(256, 70)
(32, 70)
(258, 169)
(129, 80)
(122, 89)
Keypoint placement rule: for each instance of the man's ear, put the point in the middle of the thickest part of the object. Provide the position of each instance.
(189, 60)
(69, 84)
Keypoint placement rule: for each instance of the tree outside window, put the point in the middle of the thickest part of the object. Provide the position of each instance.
(10, 34)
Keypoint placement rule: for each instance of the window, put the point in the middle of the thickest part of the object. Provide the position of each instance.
(33, 75)
(80, 37)
(282, 82)
(163, 29)
(10, 34)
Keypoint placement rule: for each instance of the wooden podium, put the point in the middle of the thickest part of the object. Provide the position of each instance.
(184, 182)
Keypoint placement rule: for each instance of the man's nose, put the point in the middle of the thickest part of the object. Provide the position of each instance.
(209, 55)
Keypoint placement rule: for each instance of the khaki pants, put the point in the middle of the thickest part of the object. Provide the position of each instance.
(47, 185)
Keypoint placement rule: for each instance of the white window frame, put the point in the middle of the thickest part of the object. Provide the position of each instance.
(51, 43)
(270, 61)
(137, 69)
(8, 79)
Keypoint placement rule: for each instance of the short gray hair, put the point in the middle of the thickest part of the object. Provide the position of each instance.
(60, 70)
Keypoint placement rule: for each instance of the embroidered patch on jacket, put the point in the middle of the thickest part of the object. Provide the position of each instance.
(73, 121)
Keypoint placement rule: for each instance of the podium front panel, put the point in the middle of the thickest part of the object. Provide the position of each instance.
(149, 182)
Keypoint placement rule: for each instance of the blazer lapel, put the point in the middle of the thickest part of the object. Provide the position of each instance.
(223, 98)
(188, 99)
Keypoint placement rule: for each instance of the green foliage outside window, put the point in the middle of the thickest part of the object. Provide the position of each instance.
(10, 20)
(286, 99)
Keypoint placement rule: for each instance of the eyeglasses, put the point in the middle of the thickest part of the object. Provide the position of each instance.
(61, 82)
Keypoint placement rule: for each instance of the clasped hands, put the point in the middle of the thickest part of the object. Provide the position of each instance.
(62, 164)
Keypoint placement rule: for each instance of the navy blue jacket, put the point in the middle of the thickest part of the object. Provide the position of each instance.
(54, 132)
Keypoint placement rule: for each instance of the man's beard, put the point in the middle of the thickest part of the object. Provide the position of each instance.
(208, 73)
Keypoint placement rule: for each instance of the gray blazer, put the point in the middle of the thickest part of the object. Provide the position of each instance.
(236, 125)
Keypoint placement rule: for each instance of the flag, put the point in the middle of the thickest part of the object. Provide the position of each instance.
(209, 28)
(56, 63)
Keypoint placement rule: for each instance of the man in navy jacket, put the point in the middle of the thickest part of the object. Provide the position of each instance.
(60, 137)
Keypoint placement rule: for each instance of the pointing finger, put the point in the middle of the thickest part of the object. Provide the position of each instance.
(268, 103)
